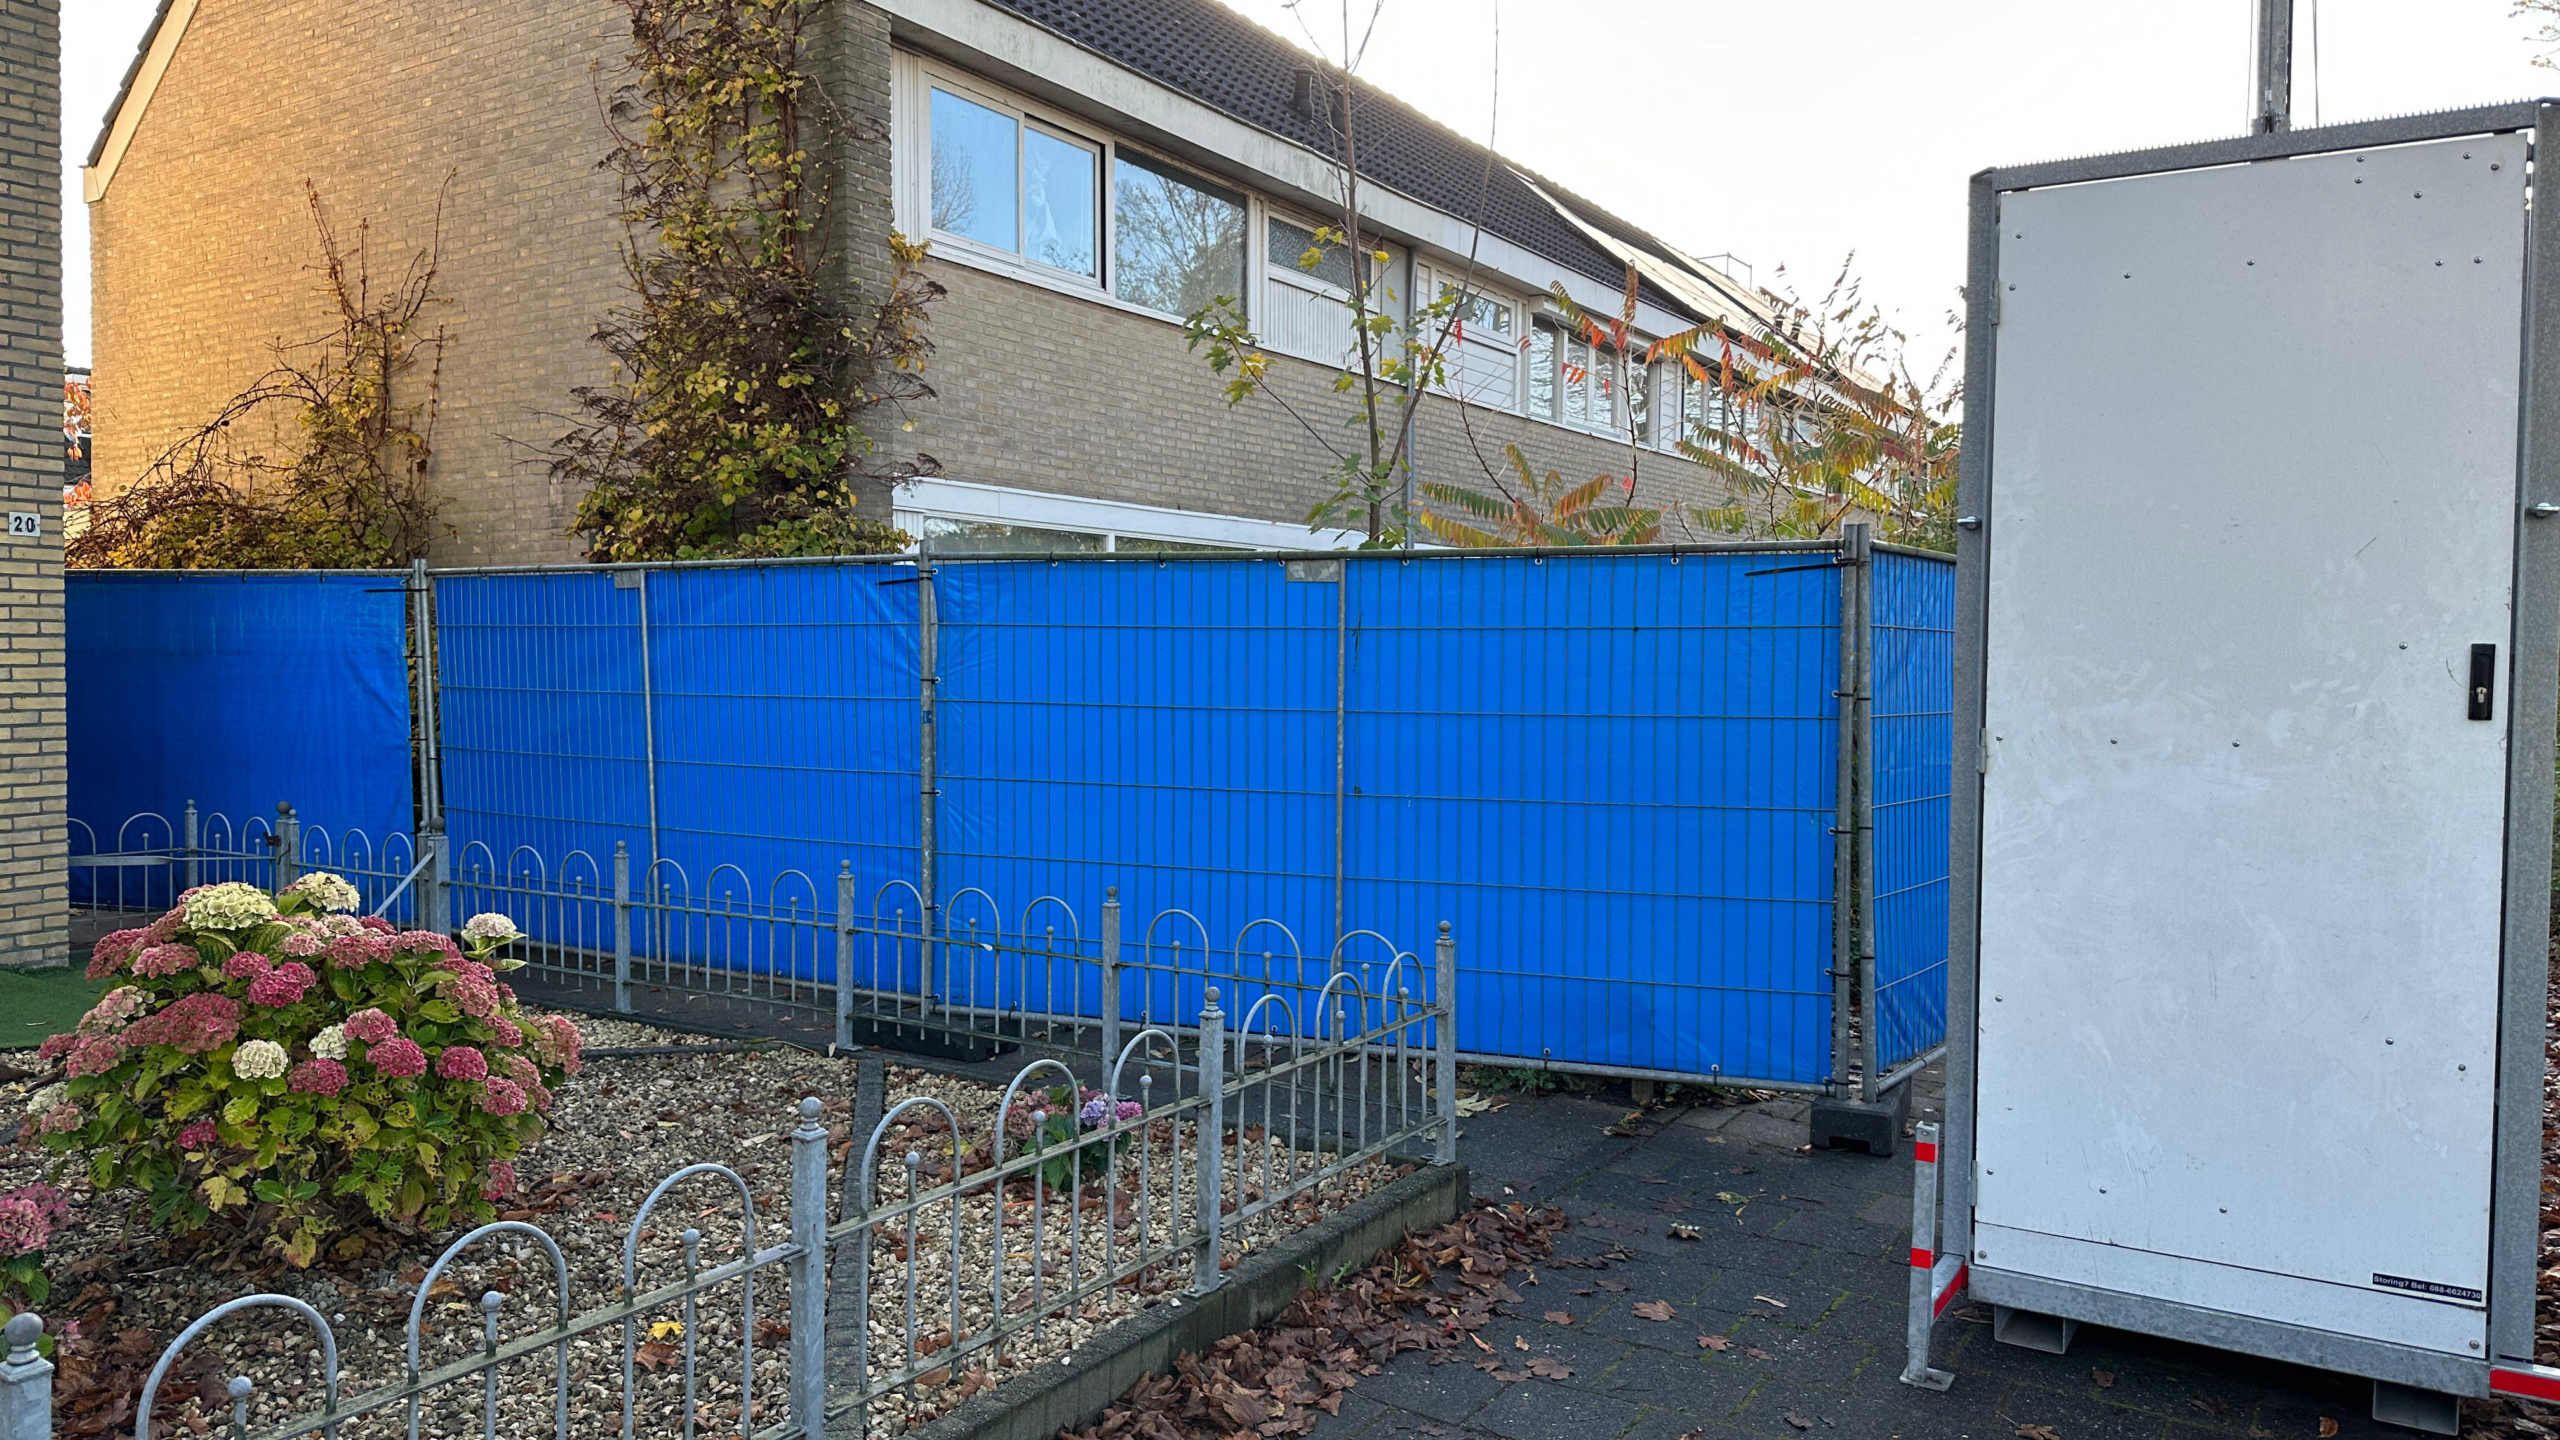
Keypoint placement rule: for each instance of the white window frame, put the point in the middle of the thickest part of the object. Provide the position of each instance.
(1282, 270)
(1027, 117)
(1430, 278)
(942, 498)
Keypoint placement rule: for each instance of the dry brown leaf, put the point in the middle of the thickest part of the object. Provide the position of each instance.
(1770, 1300)
(2328, 1427)
(1654, 1310)
(1717, 1343)
(1797, 1420)
(1547, 1367)
(2106, 1378)
(1559, 1317)
(2036, 1432)
(1519, 1344)
(1479, 1343)
(1756, 1353)
(1684, 1232)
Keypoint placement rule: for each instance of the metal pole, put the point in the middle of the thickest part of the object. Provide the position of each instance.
(1341, 683)
(26, 1382)
(621, 927)
(189, 867)
(1923, 1312)
(2271, 69)
(808, 1271)
(435, 898)
(1844, 826)
(1211, 1146)
(1110, 978)
(1444, 1021)
(1857, 541)
(649, 727)
(288, 844)
(928, 793)
(427, 681)
(844, 954)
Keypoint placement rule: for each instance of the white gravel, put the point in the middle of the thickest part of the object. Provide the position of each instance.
(617, 1130)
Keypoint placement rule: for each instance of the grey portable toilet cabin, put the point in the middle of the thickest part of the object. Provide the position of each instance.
(2258, 628)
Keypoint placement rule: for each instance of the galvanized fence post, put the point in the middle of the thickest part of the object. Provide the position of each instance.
(928, 786)
(1923, 1314)
(809, 1271)
(1211, 1192)
(1444, 1058)
(1844, 820)
(844, 954)
(1861, 727)
(1110, 978)
(26, 1383)
(425, 722)
(187, 866)
(288, 844)
(621, 926)
(435, 897)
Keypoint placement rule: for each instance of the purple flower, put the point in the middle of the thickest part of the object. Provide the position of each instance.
(462, 1062)
(317, 1077)
(284, 985)
(1095, 1111)
(398, 1058)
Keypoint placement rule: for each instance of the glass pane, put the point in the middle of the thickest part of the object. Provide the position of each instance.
(1289, 244)
(1158, 547)
(1640, 399)
(1574, 379)
(1693, 403)
(1176, 243)
(1059, 202)
(1542, 371)
(973, 171)
(945, 533)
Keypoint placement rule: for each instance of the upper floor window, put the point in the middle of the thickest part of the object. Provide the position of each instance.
(1480, 361)
(1005, 181)
(1307, 286)
(1177, 241)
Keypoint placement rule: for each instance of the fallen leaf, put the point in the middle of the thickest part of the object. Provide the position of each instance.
(2036, 1432)
(653, 1354)
(1519, 1344)
(1755, 1352)
(2106, 1378)
(1770, 1300)
(666, 1329)
(1559, 1317)
(2208, 1404)
(1479, 1343)
(1655, 1310)
(1547, 1367)
(1684, 1232)
(2328, 1427)
(1798, 1421)
(1717, 1343)
(1691, 1434)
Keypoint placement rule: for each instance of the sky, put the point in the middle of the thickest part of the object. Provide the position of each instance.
(1789, 135)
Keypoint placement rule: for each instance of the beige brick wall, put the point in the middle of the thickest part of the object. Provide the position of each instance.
(202, 248)
(32, 896)
(202, 253)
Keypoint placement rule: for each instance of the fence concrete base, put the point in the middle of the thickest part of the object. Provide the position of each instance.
(1054, 1397)
(1876, 1127)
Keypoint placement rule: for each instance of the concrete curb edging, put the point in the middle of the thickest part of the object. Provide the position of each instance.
(1053, 1397)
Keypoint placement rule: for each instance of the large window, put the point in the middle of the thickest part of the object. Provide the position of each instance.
(1574, 382)
(1177, 242)
(1306, 288)
(1481, 361)
(1009, 183)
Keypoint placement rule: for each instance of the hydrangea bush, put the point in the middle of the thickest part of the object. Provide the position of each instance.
(275, 1060)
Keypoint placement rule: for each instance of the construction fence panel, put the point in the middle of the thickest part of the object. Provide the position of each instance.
(1913, 677)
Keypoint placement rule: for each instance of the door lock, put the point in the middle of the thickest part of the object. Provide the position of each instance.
(2484, 679)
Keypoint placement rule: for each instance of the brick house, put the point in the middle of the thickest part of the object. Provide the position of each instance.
(1086, 173)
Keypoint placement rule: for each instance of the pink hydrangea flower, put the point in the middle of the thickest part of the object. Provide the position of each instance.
(113, 1010)
(25, 1224)
(317, 1076)
(166, 928)
(506, 992)
(377, 925)
(161, 960)
(62, 1118)
(564, 1041)
(306, 944)
(284, 985)
(478, 998)
(371, 1026)
(57, 1046)
(501, 1097)
(503, 1033)
(112, 953)
(462, 1062)
(501, 1181)
(400, 1059)
(196, 1023)
(94, 1055)
(519, 1069)
(354, 952)
(411, 942)
(198, 1136)
(540, 1095)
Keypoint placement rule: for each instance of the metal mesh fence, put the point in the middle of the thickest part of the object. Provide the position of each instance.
(1914, 640)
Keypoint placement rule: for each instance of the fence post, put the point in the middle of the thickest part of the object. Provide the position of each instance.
(1844, 820)
(288, 844)
(1860, 713)
(928, 788)
(424, 720)
(26, 1383)
(809, 1272)
(1110, 978)
(621, 927)
(1209, 1196)
(435, 899)
(844, 954)
(1445, 1041)
(187, 867)
(1923, 1314)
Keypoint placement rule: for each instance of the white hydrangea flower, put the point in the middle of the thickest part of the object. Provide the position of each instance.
(258, 1060)
(330, 1044)
(229, 906)
(489, 927)
(48, 1097)
(329, 892)
(342, 926)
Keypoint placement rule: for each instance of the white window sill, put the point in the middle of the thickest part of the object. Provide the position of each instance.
(996, 262)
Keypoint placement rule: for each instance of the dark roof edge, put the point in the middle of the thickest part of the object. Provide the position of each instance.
(124, 90)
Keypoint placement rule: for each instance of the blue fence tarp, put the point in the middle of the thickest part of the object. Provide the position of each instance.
(236, 692)
(1914, 687)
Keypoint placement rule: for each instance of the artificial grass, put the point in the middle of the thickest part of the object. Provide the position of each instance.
(37, 1003)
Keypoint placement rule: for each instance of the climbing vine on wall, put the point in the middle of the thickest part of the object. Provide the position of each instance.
(322, 462)
(749, 383)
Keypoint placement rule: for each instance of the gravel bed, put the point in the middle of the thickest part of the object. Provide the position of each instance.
(617, 1130)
